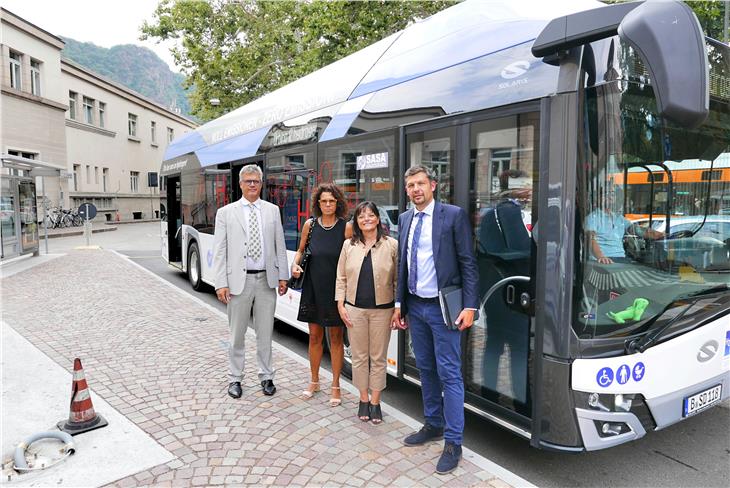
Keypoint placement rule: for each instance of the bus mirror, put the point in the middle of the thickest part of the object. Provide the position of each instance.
(669, 39)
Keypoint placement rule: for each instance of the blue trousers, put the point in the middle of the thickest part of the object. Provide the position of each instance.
(438, 358)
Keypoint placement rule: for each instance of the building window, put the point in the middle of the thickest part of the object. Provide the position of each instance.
(134, 181)
(104, 179)
(88, 110)
(35, 77)
(102, 113)
(15, 70)
(132, 125)
(153, 131)
(96, 175)
(72, 99)
(88, 174)
(77, 170)
(22, 154)
(170, 134)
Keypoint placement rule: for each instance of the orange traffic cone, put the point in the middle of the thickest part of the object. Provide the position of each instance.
(81, 417)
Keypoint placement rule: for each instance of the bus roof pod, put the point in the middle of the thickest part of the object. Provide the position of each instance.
(668, 38)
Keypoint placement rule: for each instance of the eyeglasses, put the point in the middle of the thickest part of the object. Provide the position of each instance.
(252, 182)
(328, 202)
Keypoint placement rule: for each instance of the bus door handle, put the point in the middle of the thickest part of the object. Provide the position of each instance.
(510, 292)
(482, 318)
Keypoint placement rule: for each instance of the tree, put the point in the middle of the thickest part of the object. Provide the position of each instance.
(238, 50)
(710, 13)
(711, 16)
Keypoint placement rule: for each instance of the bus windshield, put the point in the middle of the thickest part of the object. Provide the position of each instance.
(653, 207)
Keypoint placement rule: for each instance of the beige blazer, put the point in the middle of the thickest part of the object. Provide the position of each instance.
(385, 270)
(230, 246)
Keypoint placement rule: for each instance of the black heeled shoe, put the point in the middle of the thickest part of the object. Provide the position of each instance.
(363, 411)
(376, 414)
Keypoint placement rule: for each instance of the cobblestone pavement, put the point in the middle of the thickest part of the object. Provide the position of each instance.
(159, 358)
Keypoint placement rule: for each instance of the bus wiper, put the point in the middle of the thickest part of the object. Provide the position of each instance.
(641, 344)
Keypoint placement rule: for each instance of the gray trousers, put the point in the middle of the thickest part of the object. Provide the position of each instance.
(256, 295)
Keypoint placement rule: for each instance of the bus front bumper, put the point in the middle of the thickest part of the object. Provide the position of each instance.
(602, 427)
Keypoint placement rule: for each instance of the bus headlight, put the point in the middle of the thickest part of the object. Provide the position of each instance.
(613, 428)
(622, 402)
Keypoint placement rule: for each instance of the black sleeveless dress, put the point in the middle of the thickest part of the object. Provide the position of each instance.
(318, 304)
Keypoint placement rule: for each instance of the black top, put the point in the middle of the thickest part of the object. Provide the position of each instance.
(318, 304)
(365, 297)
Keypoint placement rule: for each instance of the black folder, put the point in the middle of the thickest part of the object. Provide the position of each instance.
(451, 305)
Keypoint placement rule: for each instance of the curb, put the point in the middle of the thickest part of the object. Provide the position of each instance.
(76, 233)
(138, 221)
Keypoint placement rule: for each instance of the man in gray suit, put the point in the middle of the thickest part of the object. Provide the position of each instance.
(250, 263)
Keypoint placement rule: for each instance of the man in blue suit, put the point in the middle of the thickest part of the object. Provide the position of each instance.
(435, 252)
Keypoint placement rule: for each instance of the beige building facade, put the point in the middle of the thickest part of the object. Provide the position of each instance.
(110, 139)
(33, 103)
(115, 140)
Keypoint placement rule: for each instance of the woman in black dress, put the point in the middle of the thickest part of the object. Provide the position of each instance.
(317, 305)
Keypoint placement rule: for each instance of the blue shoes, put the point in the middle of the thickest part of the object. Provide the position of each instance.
(451, 456)
(449, 459)
(427, 433)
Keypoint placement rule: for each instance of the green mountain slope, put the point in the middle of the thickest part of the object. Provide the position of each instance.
(135, 67)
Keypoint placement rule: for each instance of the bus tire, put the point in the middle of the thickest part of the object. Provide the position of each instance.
(347, 364)
(194, 275)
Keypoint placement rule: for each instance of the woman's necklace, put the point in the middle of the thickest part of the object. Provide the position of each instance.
(325, 227)
(370, 242)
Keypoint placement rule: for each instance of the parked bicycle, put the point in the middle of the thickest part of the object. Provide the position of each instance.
(58, 218)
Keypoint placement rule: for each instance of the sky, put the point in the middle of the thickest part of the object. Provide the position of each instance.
(104, 22)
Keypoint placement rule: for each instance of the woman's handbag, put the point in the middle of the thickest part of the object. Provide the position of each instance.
(298, 283)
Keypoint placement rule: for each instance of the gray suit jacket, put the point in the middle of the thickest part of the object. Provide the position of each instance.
(230, 246)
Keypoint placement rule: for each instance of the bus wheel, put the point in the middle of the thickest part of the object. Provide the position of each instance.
(347, 366)
(194, 267)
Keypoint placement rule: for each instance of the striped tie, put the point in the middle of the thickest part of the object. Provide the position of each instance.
(413, 270)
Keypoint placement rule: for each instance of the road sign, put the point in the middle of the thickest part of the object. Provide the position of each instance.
(87, 211)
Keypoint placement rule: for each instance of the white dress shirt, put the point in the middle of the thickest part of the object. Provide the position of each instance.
(259, 263)
(426, 285)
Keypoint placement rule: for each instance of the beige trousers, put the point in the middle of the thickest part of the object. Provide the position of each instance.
(369, 338)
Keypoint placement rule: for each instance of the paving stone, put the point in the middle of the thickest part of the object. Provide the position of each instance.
(256, 440)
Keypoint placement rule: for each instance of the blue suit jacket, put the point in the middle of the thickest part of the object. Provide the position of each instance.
(453, 254)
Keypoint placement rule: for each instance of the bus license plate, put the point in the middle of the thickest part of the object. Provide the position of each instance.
(702, 400)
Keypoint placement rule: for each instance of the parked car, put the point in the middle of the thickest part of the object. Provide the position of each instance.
(389, 219)
(702, 243)
(714, 226)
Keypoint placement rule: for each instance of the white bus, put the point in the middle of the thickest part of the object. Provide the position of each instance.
(528, 120)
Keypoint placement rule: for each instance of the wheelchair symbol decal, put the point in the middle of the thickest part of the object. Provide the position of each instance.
(604, 377)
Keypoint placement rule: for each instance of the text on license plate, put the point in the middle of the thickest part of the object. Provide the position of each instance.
(702, 400)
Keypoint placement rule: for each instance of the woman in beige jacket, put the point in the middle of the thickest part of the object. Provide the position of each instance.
(365, 292)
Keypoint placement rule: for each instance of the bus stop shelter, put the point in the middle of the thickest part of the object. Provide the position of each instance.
(19, 233)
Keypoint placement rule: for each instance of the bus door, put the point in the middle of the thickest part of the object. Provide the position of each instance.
(503, 168)
(488, 166)
(174, 221)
